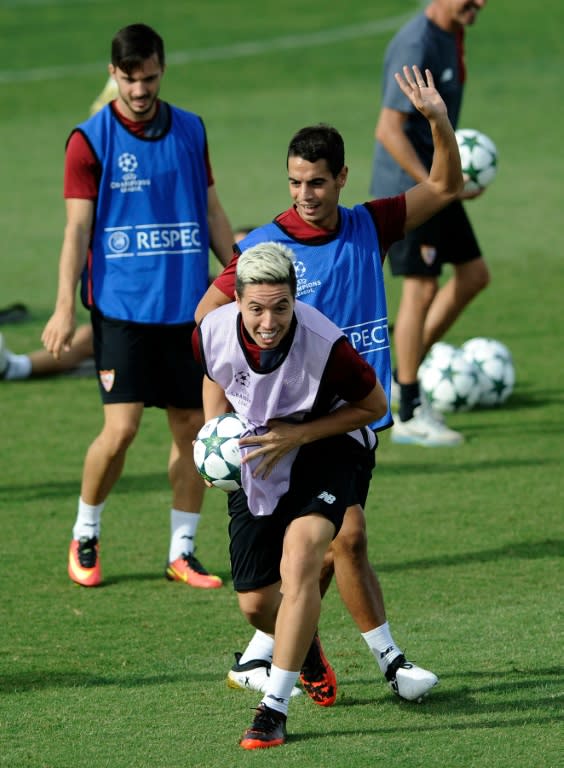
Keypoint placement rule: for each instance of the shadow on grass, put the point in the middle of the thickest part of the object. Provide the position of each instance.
(158, 481)
(456, 696)
(525, 550)
(439, 726)
(130, 484)
(123, 578)
(415, 469)
(37, 681)
(529, 396)
(508, 699)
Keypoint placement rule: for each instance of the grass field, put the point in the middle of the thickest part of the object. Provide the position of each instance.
(467, 542)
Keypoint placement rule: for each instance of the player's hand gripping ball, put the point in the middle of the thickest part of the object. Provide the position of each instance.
(216, 451)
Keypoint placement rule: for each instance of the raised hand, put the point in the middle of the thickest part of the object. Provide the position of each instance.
(421, 92)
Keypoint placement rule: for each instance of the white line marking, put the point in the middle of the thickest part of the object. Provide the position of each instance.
(218, 53)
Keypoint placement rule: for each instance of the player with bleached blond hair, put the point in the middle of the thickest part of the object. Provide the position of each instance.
(308, 397)
(339, 253)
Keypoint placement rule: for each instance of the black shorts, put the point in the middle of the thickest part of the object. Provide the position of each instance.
(447, 238)
(327, 477)
(150, 364)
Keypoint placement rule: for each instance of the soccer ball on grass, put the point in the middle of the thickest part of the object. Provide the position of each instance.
(448, 380)
(478, 156)
(495, 369)
(216, 451)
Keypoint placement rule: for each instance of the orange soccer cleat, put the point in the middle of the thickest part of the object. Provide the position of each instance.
(84, 562)
(188, 568)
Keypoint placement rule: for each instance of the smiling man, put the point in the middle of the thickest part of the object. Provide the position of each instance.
(308, 397)
(136, 163)
(338, 254)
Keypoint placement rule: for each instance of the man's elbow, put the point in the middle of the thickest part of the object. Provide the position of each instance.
(380, 406)
(449, 191)
(381, 411)
(201, 311)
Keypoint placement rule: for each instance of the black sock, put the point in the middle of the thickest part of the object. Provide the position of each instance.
(409, 400)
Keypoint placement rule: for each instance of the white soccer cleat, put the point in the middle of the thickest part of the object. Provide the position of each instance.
(252, 676)
(408, 681)
(425, 428)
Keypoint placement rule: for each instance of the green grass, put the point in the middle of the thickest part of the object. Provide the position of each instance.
(467, 542)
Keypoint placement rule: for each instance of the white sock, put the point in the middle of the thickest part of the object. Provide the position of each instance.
(183, 527)
(261, 646)
(88, 520)
(382, 645)
(19, 367)
(280, 685)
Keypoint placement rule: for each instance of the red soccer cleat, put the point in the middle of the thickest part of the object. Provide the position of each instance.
(318, 677)
(268, 729)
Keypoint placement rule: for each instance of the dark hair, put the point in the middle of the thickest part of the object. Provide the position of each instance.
(319, 142)
(134, 44)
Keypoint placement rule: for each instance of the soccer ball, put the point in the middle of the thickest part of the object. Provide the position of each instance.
(495, 367)
(449, 380)
(216, 451)
(439, 348)
(478, 155)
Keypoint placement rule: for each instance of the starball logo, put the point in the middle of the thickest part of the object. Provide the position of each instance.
(129, 181)
(303, 286)
(127, 162)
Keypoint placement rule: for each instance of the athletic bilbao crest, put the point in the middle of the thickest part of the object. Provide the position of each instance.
(107, 378)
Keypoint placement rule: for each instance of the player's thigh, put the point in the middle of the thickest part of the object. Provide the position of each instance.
(471, 276)
(305, 543)
(262, 602)
(184, 423)
(418, 292)
(121, 421)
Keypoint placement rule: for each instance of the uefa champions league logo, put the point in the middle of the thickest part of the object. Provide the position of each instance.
(127, 162)
(299, 268)
(242, 378)
(129, 181)
(118, 242)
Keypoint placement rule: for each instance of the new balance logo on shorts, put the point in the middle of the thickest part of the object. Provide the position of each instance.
(328, 498)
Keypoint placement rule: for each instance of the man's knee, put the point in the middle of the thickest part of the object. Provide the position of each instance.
(119, 436)
(473, 277)
(350, 543)
(259, 609)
